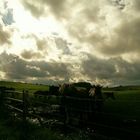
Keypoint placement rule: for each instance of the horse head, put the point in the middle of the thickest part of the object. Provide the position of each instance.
(67, 89)
(96, 91)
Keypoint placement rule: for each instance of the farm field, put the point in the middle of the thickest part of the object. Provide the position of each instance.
(13, 130)
(122, 112)
(127, 102)
(24, 86)
(69, 70)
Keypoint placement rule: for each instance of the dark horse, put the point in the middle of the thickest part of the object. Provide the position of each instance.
(80, 104)
(98, 97)
(109, 95)
(53, 90)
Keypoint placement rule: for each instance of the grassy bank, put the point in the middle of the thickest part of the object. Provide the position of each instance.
(24, 86)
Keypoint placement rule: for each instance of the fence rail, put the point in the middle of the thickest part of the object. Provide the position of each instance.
(13, 99)
(14, 108)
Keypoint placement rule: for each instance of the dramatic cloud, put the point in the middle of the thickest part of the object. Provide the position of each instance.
(6, 59)
(108, 72)
(18, 69)
(136, 5)
(68, 40)
(125, 40)
(36, 9)
(114, 70)
(47, 47)
(41, 44)
(98, 68)
(39, 8)
(119, 3)
(63, 45)
(4, 36)
(53, 68)
(31, 54)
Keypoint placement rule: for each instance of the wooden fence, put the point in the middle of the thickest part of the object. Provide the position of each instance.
(47, 113)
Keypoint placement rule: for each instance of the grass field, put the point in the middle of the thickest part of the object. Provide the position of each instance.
(127, 97)
(13, 130)
(125, 109)
(24, 86)
(127, 102)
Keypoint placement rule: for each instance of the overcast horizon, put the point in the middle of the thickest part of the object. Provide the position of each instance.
(57, 41)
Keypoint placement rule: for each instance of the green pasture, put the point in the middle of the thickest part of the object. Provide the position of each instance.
(11, 129)
(127, 103)
(126, 107)
(124, 111)
(127, 97)
(24, 86)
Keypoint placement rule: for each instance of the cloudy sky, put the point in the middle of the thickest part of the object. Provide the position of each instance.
(56, 41)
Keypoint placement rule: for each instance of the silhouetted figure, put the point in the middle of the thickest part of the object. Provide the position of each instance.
(109, 95)
(80, 103)
(96, 93)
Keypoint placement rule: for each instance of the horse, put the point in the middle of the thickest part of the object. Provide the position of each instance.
(96, 93)
(109, 95)
(54, 90)
(41, 92)
(79, 103)
(73, 91)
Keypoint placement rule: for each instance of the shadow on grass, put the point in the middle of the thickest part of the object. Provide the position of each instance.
(13, 129)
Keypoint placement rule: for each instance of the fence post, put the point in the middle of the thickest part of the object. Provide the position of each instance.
(2, 94)
(65, 113)
(25, 113)
(25, 105)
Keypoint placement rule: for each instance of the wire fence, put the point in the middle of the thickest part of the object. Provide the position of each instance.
(71, 116)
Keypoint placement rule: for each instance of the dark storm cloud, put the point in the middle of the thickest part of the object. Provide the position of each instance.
(39, 8)
(5, 59)
(127, 71)
(55, 72)
(36, 9)
(56, 6)
(41, 44)
(100, 27)
(125, 40)
(116, 70)
(98, 68)
(4, 36)
(19, 69)
(63, 45)
(63, 9)
(30, 54)
(136, 5)
(90, 12)
(119, 3)
(52, 68)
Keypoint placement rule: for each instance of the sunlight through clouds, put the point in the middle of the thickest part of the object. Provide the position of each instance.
(92, 40)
